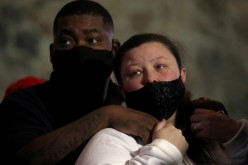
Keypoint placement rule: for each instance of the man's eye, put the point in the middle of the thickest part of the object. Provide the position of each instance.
(64, 42)
(67, 42)
(93, 40)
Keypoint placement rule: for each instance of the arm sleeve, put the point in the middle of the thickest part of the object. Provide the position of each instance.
(112, 147)
(237, 147)
(21, 120)
(158, 152)
(108, 146)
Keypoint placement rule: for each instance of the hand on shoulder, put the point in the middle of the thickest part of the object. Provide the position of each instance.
(131, 122)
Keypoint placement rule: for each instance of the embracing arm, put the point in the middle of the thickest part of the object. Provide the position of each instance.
(54, 146)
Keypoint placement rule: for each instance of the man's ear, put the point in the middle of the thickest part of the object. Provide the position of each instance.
(51, 51)
(115, 45)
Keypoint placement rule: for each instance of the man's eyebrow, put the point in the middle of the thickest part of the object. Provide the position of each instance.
(89, 31)
(67, 32)
(71, 32)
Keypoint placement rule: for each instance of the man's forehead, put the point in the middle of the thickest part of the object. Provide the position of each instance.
(87, 23)
(82, 20)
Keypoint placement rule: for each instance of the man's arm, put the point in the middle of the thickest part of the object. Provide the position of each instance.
(54, 146)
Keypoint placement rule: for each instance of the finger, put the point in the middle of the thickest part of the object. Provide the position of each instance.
(200, 111)
(160, 125)
(195, 118)
(146, 137)
(196, 126)
(198, 115)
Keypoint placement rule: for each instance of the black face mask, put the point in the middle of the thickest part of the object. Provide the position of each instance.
(81, 71)
(159, 99)
(81, 64)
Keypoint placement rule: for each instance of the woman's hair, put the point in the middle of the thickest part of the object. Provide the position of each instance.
(140, 39)
(84, 7)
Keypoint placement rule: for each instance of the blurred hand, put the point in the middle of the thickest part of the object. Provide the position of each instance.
(212, 125)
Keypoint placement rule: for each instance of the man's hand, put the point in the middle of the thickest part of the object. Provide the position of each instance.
(132, 122)
(208, 124)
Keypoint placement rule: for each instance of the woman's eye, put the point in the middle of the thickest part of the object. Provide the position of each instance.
(135, 73)
(160, 66)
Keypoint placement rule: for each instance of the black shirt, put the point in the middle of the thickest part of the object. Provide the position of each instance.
(34, 111)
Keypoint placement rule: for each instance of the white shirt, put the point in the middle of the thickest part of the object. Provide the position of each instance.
(111, 147)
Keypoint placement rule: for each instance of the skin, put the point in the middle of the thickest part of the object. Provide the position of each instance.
(213, 125)
(83, 30)
(87, 30)
(148, 62)
(151, 62)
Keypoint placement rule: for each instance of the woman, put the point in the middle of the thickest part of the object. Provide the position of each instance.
(149, 71)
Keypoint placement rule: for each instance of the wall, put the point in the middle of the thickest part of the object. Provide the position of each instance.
(213, 34)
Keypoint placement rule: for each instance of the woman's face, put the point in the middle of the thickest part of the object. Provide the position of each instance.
(148, 62)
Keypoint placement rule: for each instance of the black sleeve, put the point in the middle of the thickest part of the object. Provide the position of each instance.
(23, 117)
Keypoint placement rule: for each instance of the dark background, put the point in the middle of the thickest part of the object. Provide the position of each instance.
(213, 33)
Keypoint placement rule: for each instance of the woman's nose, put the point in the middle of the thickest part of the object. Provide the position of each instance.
(150, 77)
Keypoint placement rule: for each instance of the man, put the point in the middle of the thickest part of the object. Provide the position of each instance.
(51, 122)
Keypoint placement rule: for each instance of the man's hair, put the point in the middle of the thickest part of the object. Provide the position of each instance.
(140, 39)
(81, 7)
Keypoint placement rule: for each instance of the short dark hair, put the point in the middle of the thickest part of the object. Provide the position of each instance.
(81, 7)
(138, 40)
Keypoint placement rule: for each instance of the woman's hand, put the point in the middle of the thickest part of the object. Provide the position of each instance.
(167, 131)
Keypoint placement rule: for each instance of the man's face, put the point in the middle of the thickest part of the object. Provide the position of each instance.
(82, 30)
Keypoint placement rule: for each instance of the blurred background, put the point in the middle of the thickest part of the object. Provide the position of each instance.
(213, 35)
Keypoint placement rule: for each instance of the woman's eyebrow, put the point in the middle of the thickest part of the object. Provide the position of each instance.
(157, 58)
(132, 62)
